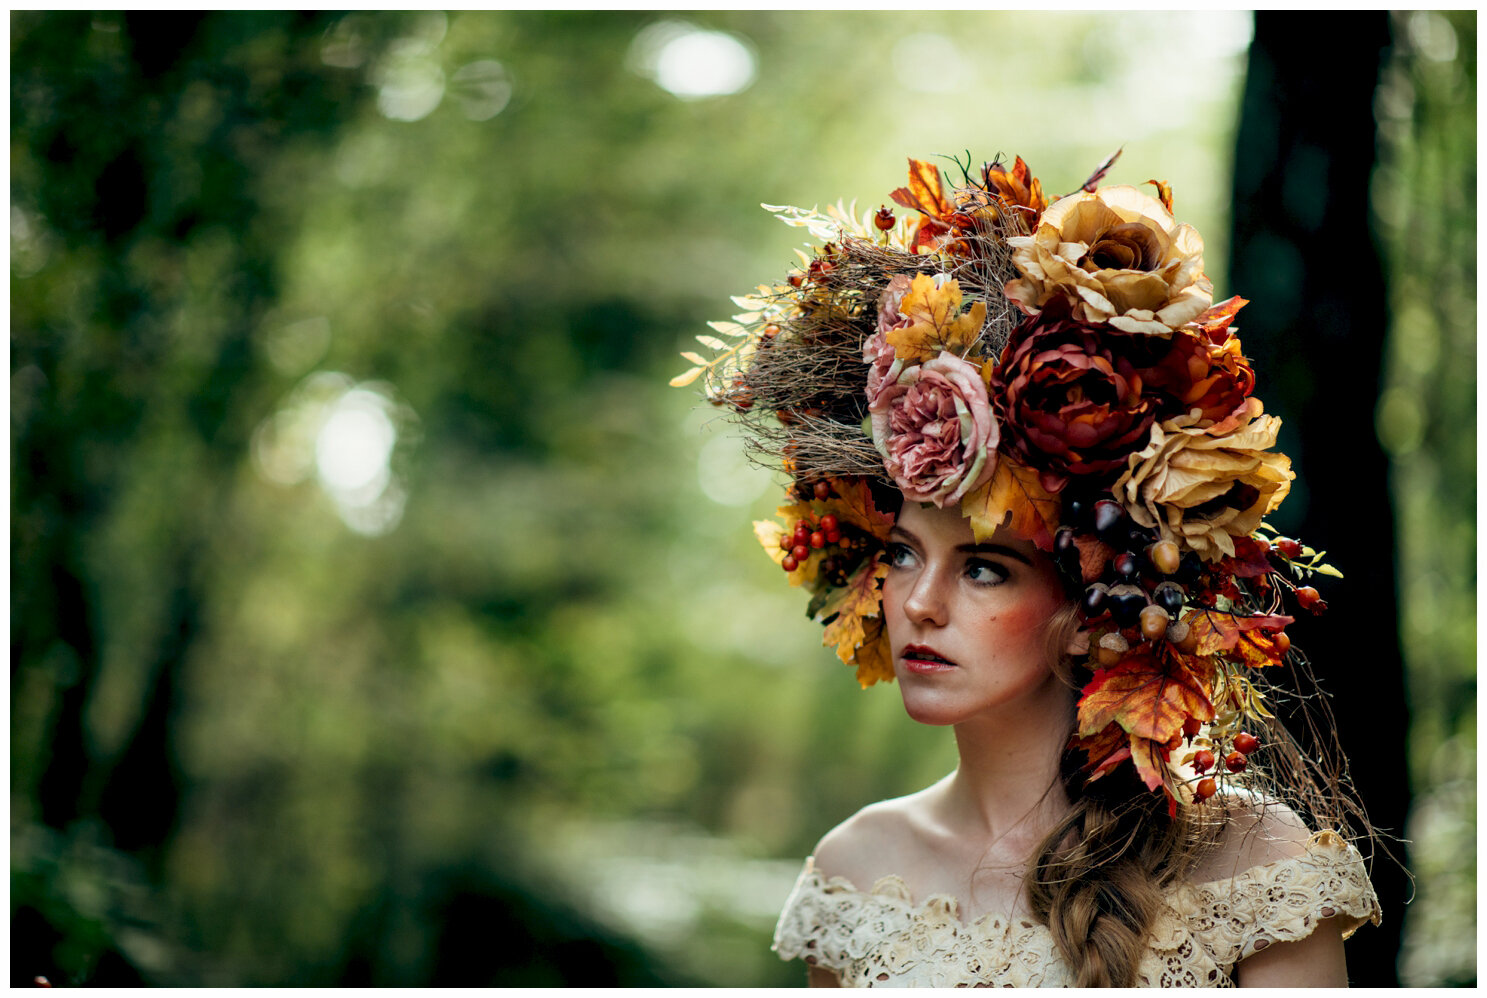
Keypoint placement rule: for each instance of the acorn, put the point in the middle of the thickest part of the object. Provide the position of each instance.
(1112, 648)
(1165, 556)
(1154, 622)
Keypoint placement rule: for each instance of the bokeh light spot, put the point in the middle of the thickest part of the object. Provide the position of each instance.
(482, 89)
(693, 63)
(354, 447)
(409, 82)
(726, 476)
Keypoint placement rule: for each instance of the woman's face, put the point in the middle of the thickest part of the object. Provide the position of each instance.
(967, 622)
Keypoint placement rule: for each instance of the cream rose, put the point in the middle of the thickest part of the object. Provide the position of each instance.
(1117, 257)
(1205, 483)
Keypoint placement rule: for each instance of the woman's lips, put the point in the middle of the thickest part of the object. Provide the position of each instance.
(923, 659)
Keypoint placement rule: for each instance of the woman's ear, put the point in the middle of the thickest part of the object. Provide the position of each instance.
(1078, 643)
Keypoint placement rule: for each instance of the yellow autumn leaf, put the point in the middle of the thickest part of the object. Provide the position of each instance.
(1015, 499)
(853, 503)
(936, 322)
(859, 598)
(874, 658)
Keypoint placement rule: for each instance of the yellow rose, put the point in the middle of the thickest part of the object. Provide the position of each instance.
(1117, 257)
(1204, 483)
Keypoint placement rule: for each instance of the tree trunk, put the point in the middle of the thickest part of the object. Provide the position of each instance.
(1304, 250)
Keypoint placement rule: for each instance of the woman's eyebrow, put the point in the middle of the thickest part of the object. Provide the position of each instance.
(999, 549)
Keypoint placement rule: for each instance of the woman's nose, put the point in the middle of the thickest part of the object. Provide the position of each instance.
(925, 602)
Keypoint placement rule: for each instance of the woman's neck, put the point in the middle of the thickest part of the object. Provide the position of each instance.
(1007, 786)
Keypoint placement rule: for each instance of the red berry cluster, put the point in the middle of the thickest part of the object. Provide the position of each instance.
(808, 536)
(1245, 745)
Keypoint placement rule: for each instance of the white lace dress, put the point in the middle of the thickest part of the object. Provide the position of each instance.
(882, 938)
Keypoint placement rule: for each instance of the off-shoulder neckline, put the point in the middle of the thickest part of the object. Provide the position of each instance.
(1326, 846)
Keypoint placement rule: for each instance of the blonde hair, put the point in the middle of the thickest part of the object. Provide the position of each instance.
(1099, 877)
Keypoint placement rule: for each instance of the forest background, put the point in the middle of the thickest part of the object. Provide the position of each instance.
(379, 616)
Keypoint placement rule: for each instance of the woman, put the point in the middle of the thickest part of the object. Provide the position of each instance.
(1029, 478)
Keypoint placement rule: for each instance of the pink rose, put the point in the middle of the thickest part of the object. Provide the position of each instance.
(889, 317)
(884, 366)
(934, 427)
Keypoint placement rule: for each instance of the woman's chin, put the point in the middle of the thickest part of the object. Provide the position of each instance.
(930, 709)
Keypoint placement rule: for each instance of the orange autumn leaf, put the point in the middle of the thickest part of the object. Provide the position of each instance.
(1249, 561)
(1246, 637)
(1094, 556)
(1148, 693)
(1106, 749)
(1150, 757)
(1164, 193)
(925, 192)
(1017, 187)
(874, 658)
(847, 606)
(1015, 499)
(936, 321)
(1215, 321)
(853, 504)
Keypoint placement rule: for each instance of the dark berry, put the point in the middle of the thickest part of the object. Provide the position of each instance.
(1094, 600)
(1063, 541)
(1126, 604)
(1126, 566)
(823, 490)
(1108, 515)
(1189, 568)
(1170, 597)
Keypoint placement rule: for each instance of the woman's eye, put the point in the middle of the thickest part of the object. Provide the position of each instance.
(899, 555)
(986, 572)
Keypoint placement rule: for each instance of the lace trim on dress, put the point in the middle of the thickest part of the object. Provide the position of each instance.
(883, 938)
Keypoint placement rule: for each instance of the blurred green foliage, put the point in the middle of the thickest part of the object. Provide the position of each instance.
(1425, 197)
(538, 711)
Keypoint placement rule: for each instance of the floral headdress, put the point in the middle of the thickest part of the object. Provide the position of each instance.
(1053, 366)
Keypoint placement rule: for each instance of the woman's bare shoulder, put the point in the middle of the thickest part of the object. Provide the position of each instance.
(1256, 831)
(876, 840)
